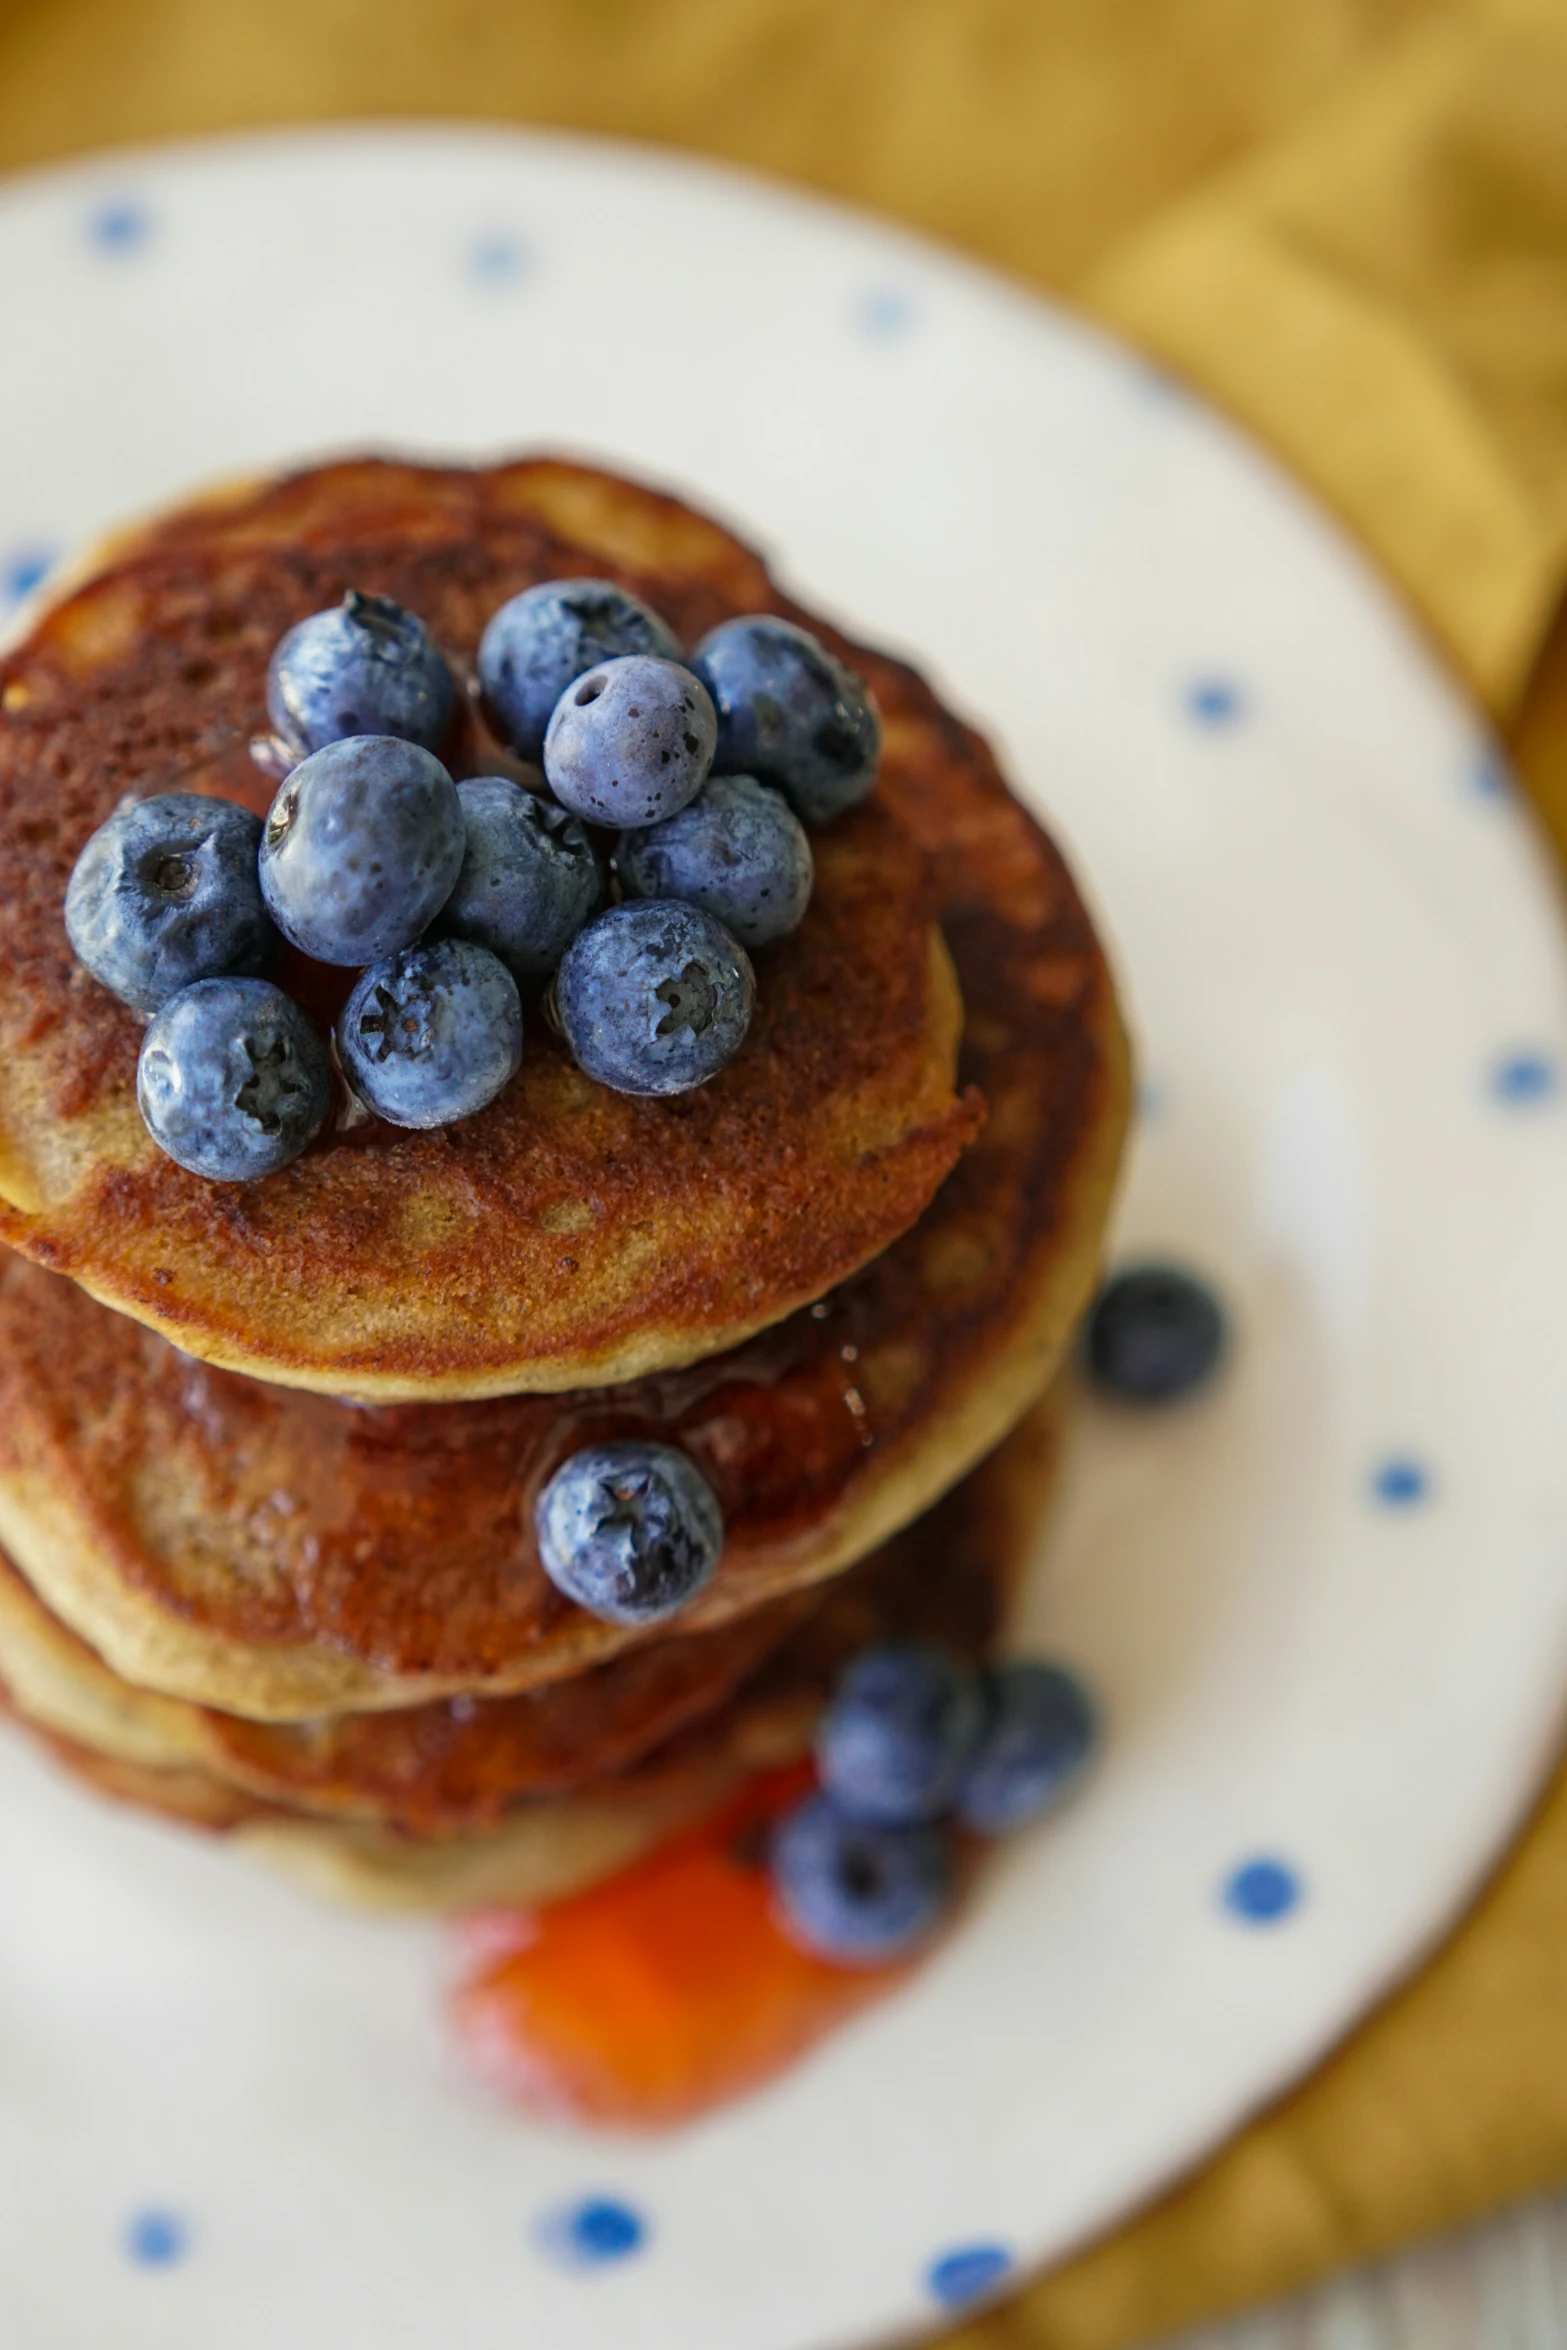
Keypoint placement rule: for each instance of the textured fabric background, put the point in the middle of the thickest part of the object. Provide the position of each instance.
(1346, 220)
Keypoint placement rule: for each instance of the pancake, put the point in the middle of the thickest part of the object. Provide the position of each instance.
(435, 1769)
(540, 1854)
(950, 1577)
(279, 1554)
(567, 1235)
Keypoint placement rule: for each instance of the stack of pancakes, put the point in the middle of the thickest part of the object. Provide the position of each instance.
(269, 1453)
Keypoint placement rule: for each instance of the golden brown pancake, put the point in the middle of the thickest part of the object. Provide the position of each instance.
(436, 1769)
(947, 1578)
(568, 1234)
(279, 1554)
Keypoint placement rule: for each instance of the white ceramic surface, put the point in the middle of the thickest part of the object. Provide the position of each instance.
(1326, 1608)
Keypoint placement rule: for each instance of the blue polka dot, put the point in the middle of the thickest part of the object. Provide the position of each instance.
(884, 313)
(120, 226)
(156, 2239)
(1400, 1483)
(1522, 1077)
(594, 2233)
(1262, 1891)
(21, 570)
(1214, 701)
(499, 259)
(1152, 1100)
(966, 2273)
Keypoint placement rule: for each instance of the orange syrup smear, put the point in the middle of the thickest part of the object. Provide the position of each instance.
(660, 1993)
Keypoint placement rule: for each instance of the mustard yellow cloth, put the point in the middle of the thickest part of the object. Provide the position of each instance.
(1347, 221)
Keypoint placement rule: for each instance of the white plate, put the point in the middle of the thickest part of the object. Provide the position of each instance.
(1327, 1609)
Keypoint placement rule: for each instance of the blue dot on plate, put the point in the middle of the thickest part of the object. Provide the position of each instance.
(1262, 1891)
(1524, 1077)
(884, 313)
(21, 570)
(593, 2233)
(498, 259)
(119, 226)
(964, 2274)
(1214, 701)
(1400, 1483)
(156, 2239)
(1152, 1100)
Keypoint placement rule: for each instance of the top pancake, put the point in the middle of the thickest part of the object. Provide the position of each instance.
(568, 1235)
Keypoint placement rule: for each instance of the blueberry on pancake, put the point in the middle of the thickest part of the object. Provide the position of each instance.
(738, 851)
(529, 877)
(544, 639)
(366, 667)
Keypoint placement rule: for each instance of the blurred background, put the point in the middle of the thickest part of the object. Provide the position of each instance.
(1345, 221)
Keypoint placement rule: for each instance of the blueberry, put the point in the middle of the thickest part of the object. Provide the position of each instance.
(630, 1531)
(547, 637)
(738, 851)
(529, 876)
(166, 893)
(1154, 1333)
(903, 1724)
(433, 1034)
(1040, 1728)
(654, 997)
(365, 667)
(361, 848)
(233, 1081)
(791, 713)
(856, 1893)
(631, 741)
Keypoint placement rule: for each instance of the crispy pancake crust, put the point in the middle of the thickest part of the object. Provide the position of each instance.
(568, 1234)
(279, 1555)
(949, 1578)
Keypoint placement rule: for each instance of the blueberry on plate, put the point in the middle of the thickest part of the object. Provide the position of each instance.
(630, 1531)
(791, 713)
(654, 997)
(1154, 1333)
(166, 893)
(364, 667)
(361, 849)
(631, 741)
(855, 1893)
(1040, 1728)
(737, 850)
(233, 1081)
(547, 637)
(901, 1729)
(432, 1035)
(529, 877)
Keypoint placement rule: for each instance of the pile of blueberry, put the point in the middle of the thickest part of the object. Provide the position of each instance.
(913, 1745)
(450, 898)
(863, 1870)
